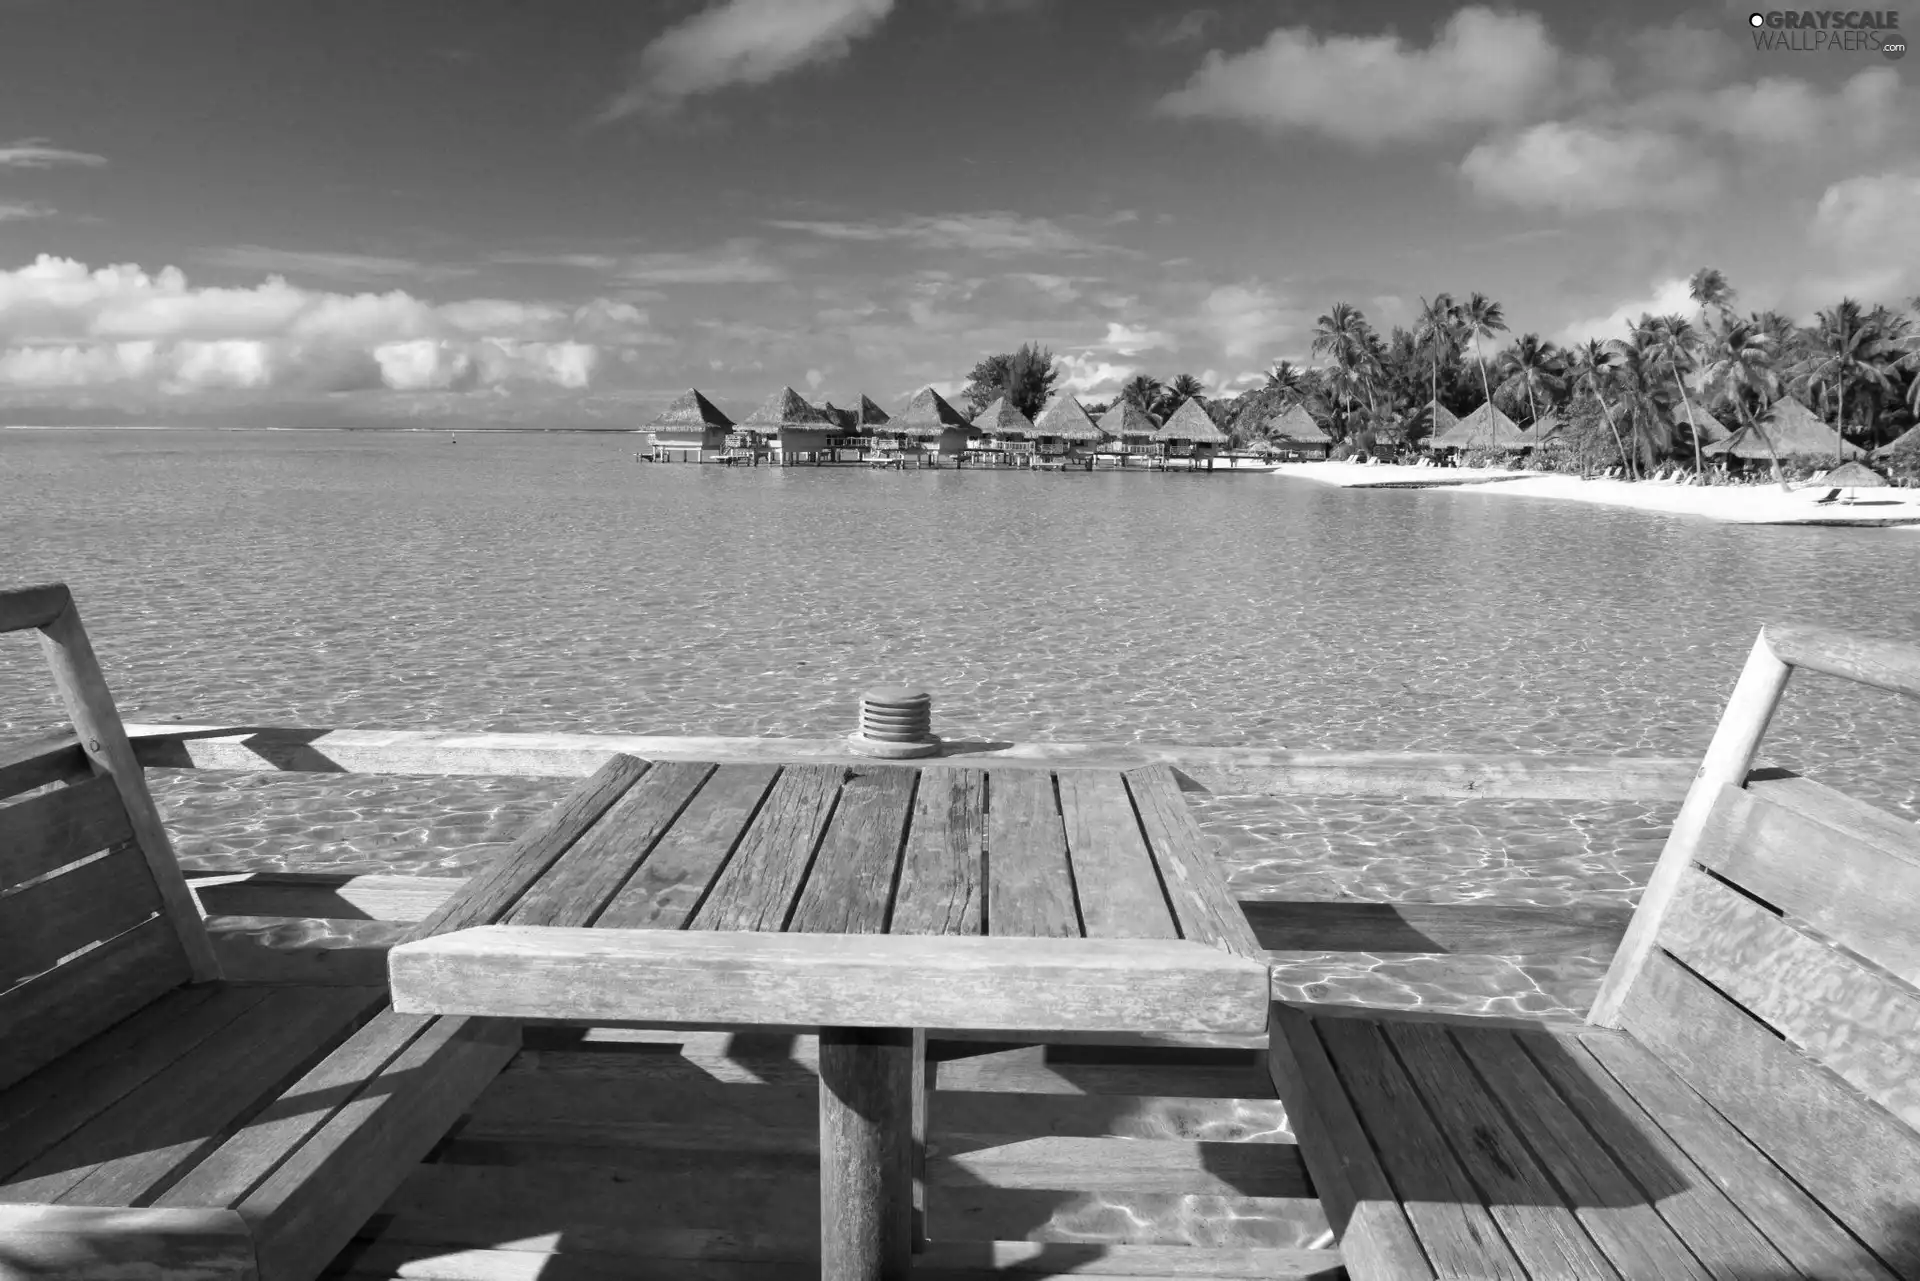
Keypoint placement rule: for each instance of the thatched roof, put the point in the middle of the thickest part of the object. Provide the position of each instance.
(928, 414)
(1296, 424)
(1443, 419)
(1128, 421)
(1484, 428)
(1191, 422)
(1065, 418)
(868, 414)
(1002, 418)
(1712, 430)
(1792, 430)
(1542, 427)
(1907, 442)
(844, 419)
(785, 408)
(691, 409)
(1854, 475)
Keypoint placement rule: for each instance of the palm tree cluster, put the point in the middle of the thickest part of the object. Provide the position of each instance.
(1644, 397)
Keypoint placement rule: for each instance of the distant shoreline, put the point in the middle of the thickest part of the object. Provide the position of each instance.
(475, 430)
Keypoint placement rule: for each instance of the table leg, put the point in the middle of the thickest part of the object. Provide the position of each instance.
(922, 1083)
(866, 1158)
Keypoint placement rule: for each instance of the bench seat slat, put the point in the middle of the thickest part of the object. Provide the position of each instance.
(49, 831)
(87, 903)
(108, 983)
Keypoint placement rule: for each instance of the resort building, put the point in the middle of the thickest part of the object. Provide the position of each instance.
(1712, 430)
(1003, 436)
(1189, 434)
(1294, 436)
(1424, 424)
(937, 428)
(1484, 428)
(690, 430)
(865, 429)
(1788, 430)
(785, 429)
(1064, 430)
(1129, 432)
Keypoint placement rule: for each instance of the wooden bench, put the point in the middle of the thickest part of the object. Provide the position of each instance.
(1743, 1100)
(156, 1121)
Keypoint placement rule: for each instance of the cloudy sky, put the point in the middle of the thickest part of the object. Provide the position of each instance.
(305, 209)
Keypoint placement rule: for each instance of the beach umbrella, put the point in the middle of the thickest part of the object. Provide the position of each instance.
(1852, 476)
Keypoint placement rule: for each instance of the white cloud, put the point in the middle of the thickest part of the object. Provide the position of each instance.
(814, 379)
(991, 232)
(337, 266)
(1577, 168)
(40, 153)
(1868, 226)
(742, 42)
(21, 210)
(64, 325)
(737, 262)
(1085, 375)
(1245, 320)
(1483, 67)
(1128, 340)
(1663, 297)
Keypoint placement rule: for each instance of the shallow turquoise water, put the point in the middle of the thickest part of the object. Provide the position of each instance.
(520, 582)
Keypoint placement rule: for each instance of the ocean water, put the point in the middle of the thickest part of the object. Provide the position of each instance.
(527, 582)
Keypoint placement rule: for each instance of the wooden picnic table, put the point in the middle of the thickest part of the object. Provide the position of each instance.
(870, 901)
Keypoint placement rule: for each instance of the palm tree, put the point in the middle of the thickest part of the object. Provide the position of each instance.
(1846, 349)
(1532, 365)
(1183, 387)
(1743, 371)
(1674, 337)
(1593, 361)
(1481, 317)
(1642, 397)
(1143, 393)
(1709, 288)
(1344, 334)
(1287, 378)
(1439, 334)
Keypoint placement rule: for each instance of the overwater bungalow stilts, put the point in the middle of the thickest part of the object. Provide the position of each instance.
(1064, 432)
(1003, 436)
(673, 1024)
(938, 431)
(1129, 432)
(1294, 436)
(784, 430)
(1189, 438)
(691, 429)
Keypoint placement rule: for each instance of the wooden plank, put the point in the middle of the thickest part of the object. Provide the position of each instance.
(1848, 1016)
(492, 893)
(1030, 890)
(1858, 1160)
(1615, 1212)
(1454, 929)
(1238, 771)
(35, 762)
(1100, 1163)
(96, 723)
(667, 888)
(1884, 664)
(330, 895)
(46, 832)
(583, 879)
(38, 1112)
(134, 1150)
(1037, 1070)
(1543, 1232)
(756, 888)
(313, 1203)
(1375, 1236)
(1458, 1235)
(1119, 887)
(648, 976)
(1859, 886)
(1736, 741)
(89, 1243)
(1852, 818)
(850, 888)
(36, 606)
(866, 1153)
(941, 874)
(84, 905)
(108, 983)
(1707, 1168)
(1189, 865)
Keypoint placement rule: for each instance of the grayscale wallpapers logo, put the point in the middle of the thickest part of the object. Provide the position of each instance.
(1829, 31)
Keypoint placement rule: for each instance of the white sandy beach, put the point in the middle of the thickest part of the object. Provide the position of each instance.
(1734, 504)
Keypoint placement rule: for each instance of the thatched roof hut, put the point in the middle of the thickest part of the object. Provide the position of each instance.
(1003, 420)
(693, 412)
(786, 410)
(929, 415)
(868, 414)
(1712, 430)
(1065, 418)
(1294, 424)
(1907, 442)
(844, 419)
(1436, 417)
(1792, 431)
(1191, 422)
(1484, 428)
(1854, 475)
(1127, 421)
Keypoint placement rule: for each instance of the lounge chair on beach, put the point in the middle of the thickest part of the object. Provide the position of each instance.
(1831, 496)
(1744, 1098)
(155, 1120)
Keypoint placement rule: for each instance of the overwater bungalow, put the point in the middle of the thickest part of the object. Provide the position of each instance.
(1003, 435)
(1484, 428)
(1065, 430)
(1787, 430)
(1189, 434)
(690, 430)
(1294, 436)
(785, 429)
(1129, 432)
(934, 426)
(865, 429)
